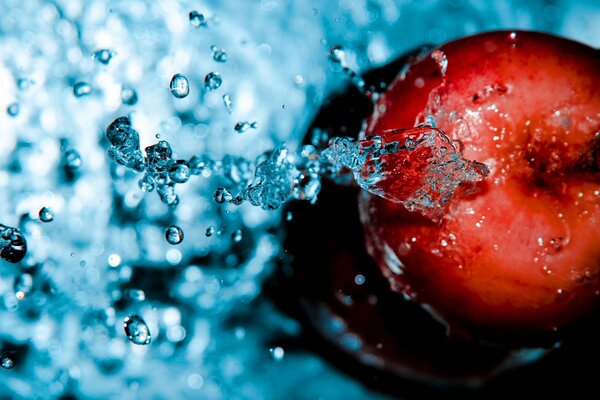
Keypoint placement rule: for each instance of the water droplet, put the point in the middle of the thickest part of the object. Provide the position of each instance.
(201, 165)
(114, 260)
(129, 96)
(442, 61)
(277, 353)
(196, 19)
(6, 361)
(23, 83)
(146, 183)
(46, 215)
(237, 236)
(213, 81)
(219, 55)
(210, 231)
(359, 279)
(179, 86)
(136, 330)
(227, 102)
(13, 109)
(72, 159)
(158, 156)
(13, 246)
(289, 216)
(222, 195)
(337, 55)
(103, 56)
(174, 235)
(136, 294)
(81, 89)
(180, 171)
(243, 126)
(513, 39)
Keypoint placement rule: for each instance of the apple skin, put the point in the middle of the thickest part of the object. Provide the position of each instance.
(520, 258)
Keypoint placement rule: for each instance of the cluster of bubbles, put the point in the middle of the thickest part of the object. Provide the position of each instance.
(100, 295)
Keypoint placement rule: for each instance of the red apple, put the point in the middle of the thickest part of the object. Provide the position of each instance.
(521, 255)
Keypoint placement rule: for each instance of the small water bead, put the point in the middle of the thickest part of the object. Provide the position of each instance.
(72, 159)
(136, 294)
(222, 195)
(210, 231)
(13, 109)
(219, 55)
(277, 353)
(46, 215)
(236, 236)
(180, 171)
(6, 361)
(13, 246)
(167, 194)
(136, 330)
(103, 56)
(213, 81)
(228, 103)
(174, 234)
(440, 58)
(180, 87)
(243, 126)
(81, 89)
(196, 19)
(337, 55)
(23, 83)
(129, 96)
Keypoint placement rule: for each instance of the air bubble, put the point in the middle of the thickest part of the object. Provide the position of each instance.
(219, 55)
(81, 89)
(174, 234)
(222, 195)
(180, 171)
(13, 246)
(6, 361)
(129, 96)
(196, 19)
(13, 109)
(46, 215)
(237, 236)
(103, 56)
(210, 231)
(212, 81)
(227, 102)
(136, 330)
(179, 86)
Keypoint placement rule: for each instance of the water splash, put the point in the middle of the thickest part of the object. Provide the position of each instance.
(13, 246)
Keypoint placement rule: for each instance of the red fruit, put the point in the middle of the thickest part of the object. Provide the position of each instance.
(521, 255)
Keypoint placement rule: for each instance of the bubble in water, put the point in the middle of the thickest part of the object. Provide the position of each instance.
(213, 81)
(46, 215)
(129, 96)
(219, 55)
(227, 102)
(103, 56)
(136, 294)
(440, 58)
(72, 159)
(136, 330)
(81, 89)
(6, 361)
(13, 109)
(196, 19)
(222, 195)
(337, 55)
(277, 353)
(180, 171)
(174, 235)
(243, 126)
(237, 236)
(13, 246)
(210, 231)
(179, 86)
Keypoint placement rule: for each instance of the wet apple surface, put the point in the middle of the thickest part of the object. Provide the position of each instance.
(519, 258)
